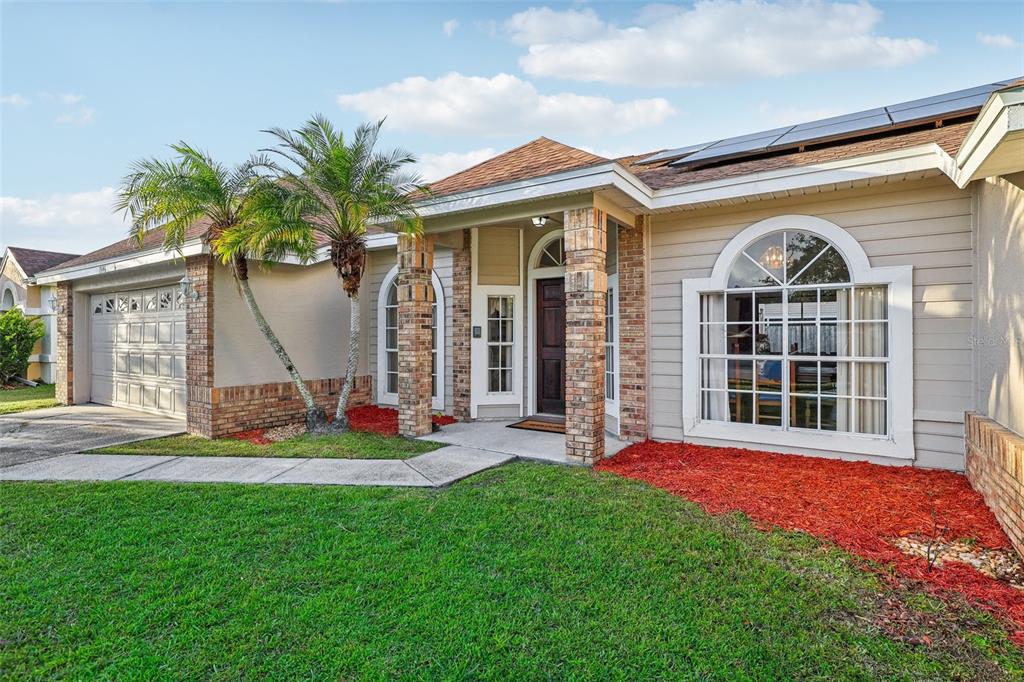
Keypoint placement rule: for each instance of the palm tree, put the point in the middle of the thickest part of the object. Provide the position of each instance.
(175, 195)
(338, 188)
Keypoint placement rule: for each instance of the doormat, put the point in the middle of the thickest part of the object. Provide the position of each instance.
(532, 424)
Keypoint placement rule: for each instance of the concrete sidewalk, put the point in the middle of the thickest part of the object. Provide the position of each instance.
(433, 469)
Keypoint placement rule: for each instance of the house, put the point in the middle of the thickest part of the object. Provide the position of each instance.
(849, 287)
(18, 289)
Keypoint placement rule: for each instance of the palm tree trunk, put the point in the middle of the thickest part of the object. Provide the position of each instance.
(315, 416)
(340, 416)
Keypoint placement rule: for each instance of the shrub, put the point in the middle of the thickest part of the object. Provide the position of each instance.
(18, 334)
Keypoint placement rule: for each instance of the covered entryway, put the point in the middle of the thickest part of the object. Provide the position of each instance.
(138, 350)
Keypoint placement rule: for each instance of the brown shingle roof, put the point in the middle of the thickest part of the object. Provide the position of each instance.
(531, 160)
(127, 246)
(34, 260)
(661, 176)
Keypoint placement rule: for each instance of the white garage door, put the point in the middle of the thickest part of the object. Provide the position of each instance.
(138, 350)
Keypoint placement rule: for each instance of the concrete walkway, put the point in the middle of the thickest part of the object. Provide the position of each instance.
(433, 469)
(495, 436)
(39, 434)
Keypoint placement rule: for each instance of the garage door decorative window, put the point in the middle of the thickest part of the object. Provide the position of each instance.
(793, 343)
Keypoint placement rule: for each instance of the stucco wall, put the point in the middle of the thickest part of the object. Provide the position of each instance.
(926, 224)
(307, 309)
(10, 278)
(999, 303)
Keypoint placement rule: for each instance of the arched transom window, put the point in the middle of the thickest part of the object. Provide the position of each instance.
(553, 254)
(389, 340)
(794, 343)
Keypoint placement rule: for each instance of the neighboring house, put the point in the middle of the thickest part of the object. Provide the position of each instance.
(19, 290)
(845, 288)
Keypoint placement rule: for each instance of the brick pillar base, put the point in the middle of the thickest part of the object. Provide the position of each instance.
(415, 301)
(64, 377)
(586, 285)
(633, 331)
(199, 350)
(462, 320)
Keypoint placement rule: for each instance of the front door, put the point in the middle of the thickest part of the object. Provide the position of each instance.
(551, 346)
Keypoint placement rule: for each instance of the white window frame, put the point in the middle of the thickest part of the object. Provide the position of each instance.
(899, 444)
(611, 405)
(534, 273)
(383, 396)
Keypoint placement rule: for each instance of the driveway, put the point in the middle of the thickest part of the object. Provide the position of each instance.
(38, 434)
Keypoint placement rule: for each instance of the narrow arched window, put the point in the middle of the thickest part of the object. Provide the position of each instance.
(793, 343)
(388, 340)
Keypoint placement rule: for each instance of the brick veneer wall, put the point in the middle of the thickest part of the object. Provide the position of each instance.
(633, 331)
(199, 347)
(415, 301)
(462, 321)
(995, 468)
(64, 378)
(586, 285)
(264, 406)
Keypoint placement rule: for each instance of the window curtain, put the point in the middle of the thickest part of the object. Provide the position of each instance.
(716, 403)
(870, 340)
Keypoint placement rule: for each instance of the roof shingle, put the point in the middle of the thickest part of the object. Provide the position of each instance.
(35, 260)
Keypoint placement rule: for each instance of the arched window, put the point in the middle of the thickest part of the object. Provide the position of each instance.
(387, 339)
(793, 343)
(552, 255)
(8, 300)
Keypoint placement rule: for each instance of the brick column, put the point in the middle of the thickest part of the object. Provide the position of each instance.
(633, 331)
(462, 321)
(415, 298)
(199, 347)
(586, 285)
(64, 389)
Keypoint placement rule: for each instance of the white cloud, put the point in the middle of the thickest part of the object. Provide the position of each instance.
(502, 105)
(433, 167)
(76, 222)
(714, 41)
(545, 25)
(78, 117)
(998, 40)
(449, 27)
(14, 99)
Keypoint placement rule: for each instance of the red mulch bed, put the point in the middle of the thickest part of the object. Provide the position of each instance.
(857, 505)
(256, 436)
(384, 420)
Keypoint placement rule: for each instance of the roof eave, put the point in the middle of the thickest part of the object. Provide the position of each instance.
(126, 261)
(1000, 122)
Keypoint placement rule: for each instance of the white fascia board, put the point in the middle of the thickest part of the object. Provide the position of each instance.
(576, 181)
(8, 256)
(925, 157)
(124, 262)
(374, 242)
(1002, 115)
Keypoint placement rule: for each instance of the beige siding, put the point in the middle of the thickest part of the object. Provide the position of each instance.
(307, 309)
(1000, 300)
(498, 256)
(926, 224)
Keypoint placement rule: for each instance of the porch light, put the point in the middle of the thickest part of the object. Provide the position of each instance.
(52, 302)
(540, 220)
(186, 288)
(773, 258)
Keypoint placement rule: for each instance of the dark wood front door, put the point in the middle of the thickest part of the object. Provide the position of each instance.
(551, 346)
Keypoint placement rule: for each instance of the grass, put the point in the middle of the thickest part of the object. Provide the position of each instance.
(350, 445)
(522, 572)
(24, 398)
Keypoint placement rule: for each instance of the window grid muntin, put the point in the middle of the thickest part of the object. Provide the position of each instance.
(391, 348)
(786, 359)
(610, 344)
(499, 375)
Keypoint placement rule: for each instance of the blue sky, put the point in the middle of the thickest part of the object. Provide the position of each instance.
(87, 88)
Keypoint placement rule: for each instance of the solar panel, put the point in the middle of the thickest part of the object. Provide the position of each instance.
(832, 130)
(851, 125)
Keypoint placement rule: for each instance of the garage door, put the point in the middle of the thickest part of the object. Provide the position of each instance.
(138, 350)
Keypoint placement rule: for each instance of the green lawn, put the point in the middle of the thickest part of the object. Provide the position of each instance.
(523, 572)
(26, 398)
(351, 445)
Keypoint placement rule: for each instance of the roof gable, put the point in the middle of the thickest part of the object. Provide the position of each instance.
(534, 159)
(32, 261)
